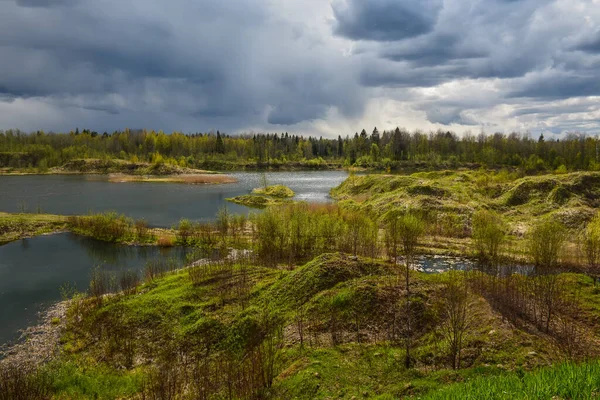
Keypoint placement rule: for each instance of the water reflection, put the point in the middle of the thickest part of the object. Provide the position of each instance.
(32, 272)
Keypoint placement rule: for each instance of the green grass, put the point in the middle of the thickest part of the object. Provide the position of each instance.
(189, 308)
(278, 191)
(255, 201)
(72, 381)
(564, 381)
(324, 272)
(17, 226)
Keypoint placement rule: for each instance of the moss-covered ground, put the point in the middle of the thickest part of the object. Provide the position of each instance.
(211, 317)
(448, 199)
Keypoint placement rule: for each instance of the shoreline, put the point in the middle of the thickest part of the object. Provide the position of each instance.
(40, 343)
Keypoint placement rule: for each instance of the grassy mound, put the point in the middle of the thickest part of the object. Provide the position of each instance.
(534, 188)
(448, 199)
(278, 191)
(255, 201)
(211, 324)
(324, 272)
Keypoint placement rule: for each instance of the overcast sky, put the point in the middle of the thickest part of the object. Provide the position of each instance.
(305, 66)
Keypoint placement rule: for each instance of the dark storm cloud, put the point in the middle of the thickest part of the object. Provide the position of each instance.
(591, 46)
(471, 39)
(253, 64)
(237, 63)
(385, 20)
(529, 49)
(561, 88)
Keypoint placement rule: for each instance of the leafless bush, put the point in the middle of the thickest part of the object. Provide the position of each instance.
(101, 283)
(129, 280)
(22, 383)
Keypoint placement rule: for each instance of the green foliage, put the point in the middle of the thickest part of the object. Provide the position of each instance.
(92, 382)
(488, 235)
(591, 243)
(299, 232)
(109, 226)
(565, 381)
(278, 191)
(15, 226)
(546, 241)
(394, 149)
(254, 201)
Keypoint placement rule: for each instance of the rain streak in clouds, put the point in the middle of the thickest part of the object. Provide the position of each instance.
(302, 66)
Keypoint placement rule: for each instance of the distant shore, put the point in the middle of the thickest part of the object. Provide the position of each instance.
(134, 171)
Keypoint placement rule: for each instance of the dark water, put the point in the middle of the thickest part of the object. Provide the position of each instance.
(160, 204)
(32, 272)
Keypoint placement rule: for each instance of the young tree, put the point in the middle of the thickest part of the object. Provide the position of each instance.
(546, 241)
(410, 227)
(392, 235)
(220, 146)
(455, 312)
(591, 244)
(488, 237)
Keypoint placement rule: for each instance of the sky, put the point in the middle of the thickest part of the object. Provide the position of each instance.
(311, 67)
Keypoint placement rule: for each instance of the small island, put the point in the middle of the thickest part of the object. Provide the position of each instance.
(278, 191)
(265, 197)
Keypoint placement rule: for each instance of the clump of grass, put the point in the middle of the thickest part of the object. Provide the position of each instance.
(110, 226)
(254, 201)
(565, 381)
(70, 381)
(279, 191)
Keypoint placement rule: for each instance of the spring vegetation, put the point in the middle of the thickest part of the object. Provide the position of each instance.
(396, 149)
(305, 301)
(265, 196)
(323, 301)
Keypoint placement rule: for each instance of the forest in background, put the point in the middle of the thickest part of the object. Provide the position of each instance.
(387, 150)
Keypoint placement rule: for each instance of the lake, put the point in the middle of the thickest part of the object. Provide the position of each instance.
(33, 270)
(160, 204)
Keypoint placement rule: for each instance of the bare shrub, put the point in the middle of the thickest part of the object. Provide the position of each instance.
(22, 383)
(129, 280)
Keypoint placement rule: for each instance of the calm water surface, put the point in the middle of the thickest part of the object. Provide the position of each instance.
(32, 271)
(160, 204)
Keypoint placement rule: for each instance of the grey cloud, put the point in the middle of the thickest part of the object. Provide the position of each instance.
(591, 46)
(206, 61)
(431, 50)
(557, 85)
(385, 20)
(448, 116)
(475, 39)
(45, 3)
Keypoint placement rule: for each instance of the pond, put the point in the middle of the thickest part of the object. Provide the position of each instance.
(160, 204)
(32, 272)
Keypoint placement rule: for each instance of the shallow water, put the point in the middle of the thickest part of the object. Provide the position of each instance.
(160, 204)
(32, 271)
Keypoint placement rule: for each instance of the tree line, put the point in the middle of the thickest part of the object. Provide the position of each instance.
(389, 149)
